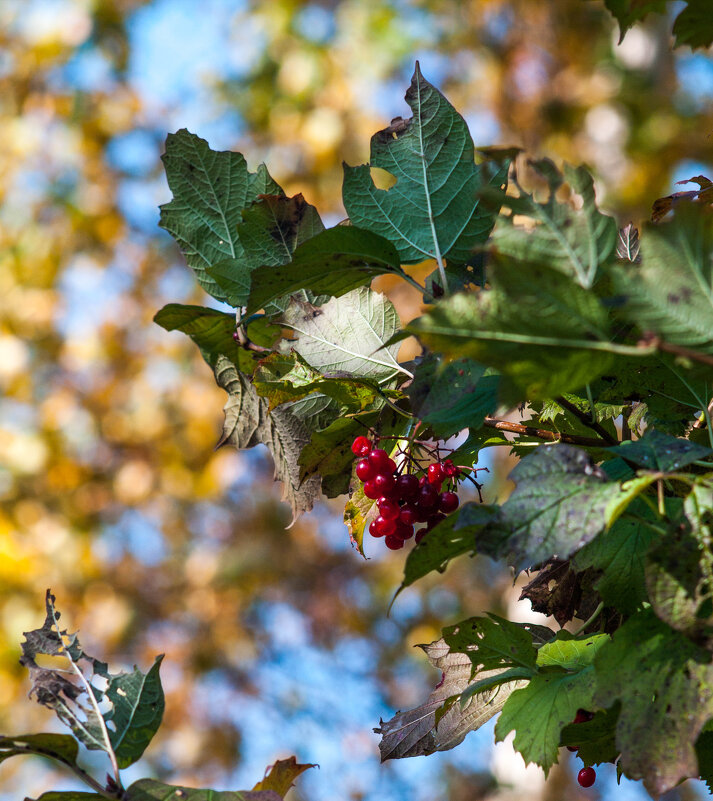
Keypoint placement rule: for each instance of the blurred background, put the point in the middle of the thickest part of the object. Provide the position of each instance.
(111, 492)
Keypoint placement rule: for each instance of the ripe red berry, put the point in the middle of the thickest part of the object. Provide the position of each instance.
(374, 529)
(407, 515)
(448, 502)
(573, 748)
(423, 481)
(384, 526)
(385, 483)
(586, 777)
(393, 542)
(388, 507)
(583, 716)
(236, 336)
(365, 470)
(428, 498)
(407, 486)
(390, 467)
(403, 531)
(361, 446)
(371, 490)
(420, 534)
(379, 458)
(449, 469)
(435, 473)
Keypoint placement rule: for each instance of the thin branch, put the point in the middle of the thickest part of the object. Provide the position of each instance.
(676, 350)
(542, 433)
(586, 420)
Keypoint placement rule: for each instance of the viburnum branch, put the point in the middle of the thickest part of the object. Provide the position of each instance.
(93, 701)
(586, 420)
(542, 433)
(650, 340)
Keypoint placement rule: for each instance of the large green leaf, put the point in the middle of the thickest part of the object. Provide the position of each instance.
(136, 713)
(452, 396)
(665, 685)
(434, 209)
(542, 331)
(670, 294)
(347, 335)
(333, 262)
(659, 451)
(539, 711)
(561, 501)
(492, 643)
(62, 747)
(572, 241)
(210, 190)
(152, 790)
(248, 422)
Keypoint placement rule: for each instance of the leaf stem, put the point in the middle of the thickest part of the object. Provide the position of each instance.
(588, 622)
(93, 701)
(541, 433)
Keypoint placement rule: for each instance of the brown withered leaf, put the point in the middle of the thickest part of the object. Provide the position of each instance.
(663, 205)
(561, 592)
(281, 776)
(627, 246)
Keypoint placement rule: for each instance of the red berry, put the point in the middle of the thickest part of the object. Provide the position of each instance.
(573, 748)
(435, 473)
(407, 515)
(374, 529)
(422, 515)
(379, 458)
(361, 446)
(449, 469)
(364, 470)
(390, 467)
(583, 716)
(236, 336)
(394, 542)
(385, 483)
(384, 526)
(403, 531)
(389, 508)
(423, 481)
(407, 486)
(428, 498)
(371, 490)
(420, 534)
(586, 777)
(448, 502)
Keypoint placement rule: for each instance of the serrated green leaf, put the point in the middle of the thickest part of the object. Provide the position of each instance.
(561, 501)
(595, 739)
(704, 754)
(619, 553)
(434, 208)
(248, 422)
(665, 685)
(538, 712)
(333, 263)
(492, 643)
(545, 334)
(136, 714)
(694, 25)
(454, 536)
(629, 12)
(210, 190)
(152, 790)
(347, 335)
(452, 396)
(662, 452)
(575, 242)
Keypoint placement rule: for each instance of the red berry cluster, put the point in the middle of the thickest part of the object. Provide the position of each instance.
(586, 776)
(403, 499)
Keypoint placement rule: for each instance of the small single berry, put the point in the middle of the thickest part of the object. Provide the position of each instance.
(420, 534)
(573, 748)
(448, 502)
(403, 531)
(586, 777)
(428, 498)
(361, 446)
(236, 336)
(365, 470)
(380, 460)
(371, 490)
(390, 466)
(385, 482)
(583, 716)
(435, 473)
(423, 481)
(449, 469)
(407, 515)
(388, 508)
(374, 529)
(384, 526)
(407, 486)
(393, 542)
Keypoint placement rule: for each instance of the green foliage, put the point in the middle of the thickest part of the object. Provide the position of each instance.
(693, 25)
(537, 304)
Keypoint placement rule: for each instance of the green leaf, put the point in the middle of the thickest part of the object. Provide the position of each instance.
(704, 754)
(694, 25)
(538, 712)
(619, 553)
(492, 643)
(575, 242)
(454, 536)
(69, 795)
(347, 335)
(670, 294)
(210, 190)
(661, 452)
(561, 501)
(628, 12)
(420, 731)
(452, 396)
(595, 739)
(62, 747)
(248, 422)
(493, 681)
(136, 714)
(569, 652)
(152, 790)
(546, 334)
(357, 511)
(434, 209)
(665, 685)
(333, 262)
